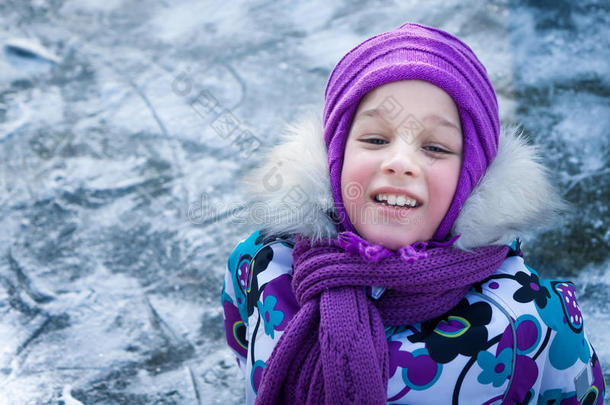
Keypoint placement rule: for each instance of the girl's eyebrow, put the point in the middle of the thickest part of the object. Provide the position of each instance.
(442, 121)
(383, 114)
(373, 113)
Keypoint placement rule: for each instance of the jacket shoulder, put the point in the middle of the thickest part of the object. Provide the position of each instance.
(245, 272)
(251, 245)
(520, 289)
(256, 260)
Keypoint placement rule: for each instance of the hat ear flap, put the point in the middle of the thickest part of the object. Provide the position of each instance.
(513, 198)
(290, 192)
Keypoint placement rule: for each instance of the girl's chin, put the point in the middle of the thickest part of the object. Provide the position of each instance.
(391, 232)
(389, 240)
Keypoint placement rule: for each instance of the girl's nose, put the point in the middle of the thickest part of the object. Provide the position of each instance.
(401, 160)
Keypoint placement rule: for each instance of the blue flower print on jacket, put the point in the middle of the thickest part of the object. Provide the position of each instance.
(528, 332)
(495, 369)
(563, 315)
(271, 317)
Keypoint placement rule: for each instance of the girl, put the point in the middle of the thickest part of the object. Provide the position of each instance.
(383, 271)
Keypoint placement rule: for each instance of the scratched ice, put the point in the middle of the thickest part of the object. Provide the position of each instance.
(124, 125)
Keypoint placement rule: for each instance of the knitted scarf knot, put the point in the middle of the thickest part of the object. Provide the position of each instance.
(334, 349)
(353, 243)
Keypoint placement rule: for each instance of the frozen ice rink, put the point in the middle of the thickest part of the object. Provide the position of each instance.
(118, 204)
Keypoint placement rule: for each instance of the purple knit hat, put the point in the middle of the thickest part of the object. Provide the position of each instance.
(414, 51)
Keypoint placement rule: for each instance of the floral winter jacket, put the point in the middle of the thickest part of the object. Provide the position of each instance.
(515, 337)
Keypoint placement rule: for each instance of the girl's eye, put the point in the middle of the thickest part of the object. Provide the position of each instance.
(375, 141)
(435, 149)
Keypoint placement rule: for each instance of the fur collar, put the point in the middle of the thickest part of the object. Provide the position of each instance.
(290, 192)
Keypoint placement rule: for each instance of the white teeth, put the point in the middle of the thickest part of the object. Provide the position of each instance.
(399, 200)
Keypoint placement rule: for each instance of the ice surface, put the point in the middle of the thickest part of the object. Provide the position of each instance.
(116, 186)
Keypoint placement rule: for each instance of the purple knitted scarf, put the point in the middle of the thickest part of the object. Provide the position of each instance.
(334, 350)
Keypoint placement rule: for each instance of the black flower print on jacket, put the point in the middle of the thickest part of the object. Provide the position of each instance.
(530, 290)
(461, 331)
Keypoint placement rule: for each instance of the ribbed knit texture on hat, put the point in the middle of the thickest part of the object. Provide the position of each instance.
(414, 51)
(334, 349)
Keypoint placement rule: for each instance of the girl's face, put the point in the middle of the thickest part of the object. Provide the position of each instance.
(404, 147)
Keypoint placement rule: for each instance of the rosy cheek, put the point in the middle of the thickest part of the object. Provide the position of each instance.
(352, 192)
(352, 181)
(445, 182)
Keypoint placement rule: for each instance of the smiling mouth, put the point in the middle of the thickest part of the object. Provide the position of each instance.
(405, 204)
(398, 207)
